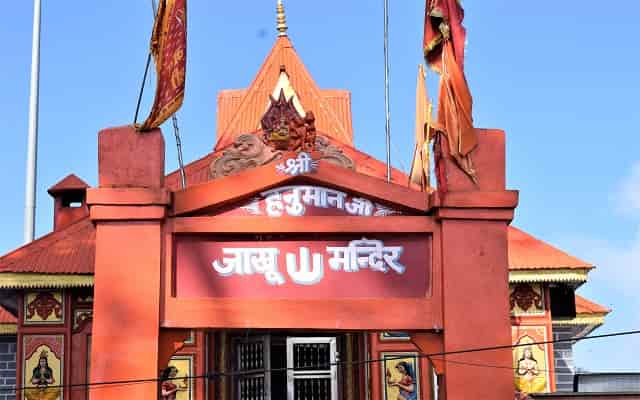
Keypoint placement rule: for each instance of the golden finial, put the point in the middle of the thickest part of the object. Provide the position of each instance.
(281, 19)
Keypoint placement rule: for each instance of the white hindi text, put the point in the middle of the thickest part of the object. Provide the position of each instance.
(307, 268)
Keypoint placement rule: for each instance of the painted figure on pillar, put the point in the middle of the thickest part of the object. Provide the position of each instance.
(42, 378)
(404, 380)
(170, 385)
(529, 378)
(530, 359)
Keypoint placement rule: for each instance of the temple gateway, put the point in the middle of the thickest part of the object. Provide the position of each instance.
(288, 268)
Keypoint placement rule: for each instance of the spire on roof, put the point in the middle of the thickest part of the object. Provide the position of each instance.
(281, 19)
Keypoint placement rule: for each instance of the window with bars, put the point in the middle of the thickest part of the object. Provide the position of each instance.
(311, 368)
(252, 364)
(310, 373)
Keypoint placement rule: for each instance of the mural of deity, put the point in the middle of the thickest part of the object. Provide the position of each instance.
(406, 381)
(530, 359)
(42, 378)
(529, 378)
(169, 384)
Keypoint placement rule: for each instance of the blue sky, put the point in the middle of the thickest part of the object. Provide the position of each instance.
(561, 78)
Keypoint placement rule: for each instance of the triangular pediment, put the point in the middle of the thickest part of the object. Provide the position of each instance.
(240, 111)
(336, 190)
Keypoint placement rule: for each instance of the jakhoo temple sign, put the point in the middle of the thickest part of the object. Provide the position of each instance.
(395, 266)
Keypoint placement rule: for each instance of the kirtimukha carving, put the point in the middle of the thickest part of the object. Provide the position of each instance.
(525, 297)
(283, 130)
(247, 151)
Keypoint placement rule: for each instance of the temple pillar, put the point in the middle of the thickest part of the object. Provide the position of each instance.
(475, 276)
(127, 208)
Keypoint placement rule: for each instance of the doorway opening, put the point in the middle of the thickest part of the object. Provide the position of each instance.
(287, 365)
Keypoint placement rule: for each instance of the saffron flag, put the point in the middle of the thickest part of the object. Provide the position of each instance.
(442, 22)
(421, 158)
(169, 50)
(454, 111)
(444, 41)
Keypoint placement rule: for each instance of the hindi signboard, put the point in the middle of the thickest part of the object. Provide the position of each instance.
(338, 267)
(310, 200)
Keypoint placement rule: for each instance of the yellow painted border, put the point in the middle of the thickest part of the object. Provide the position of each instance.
(8, 329)
(582, 319)
(12, 280)
(548, 275)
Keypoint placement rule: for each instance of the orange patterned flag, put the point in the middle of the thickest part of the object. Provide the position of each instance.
(444, 41)
(169, 49)
(443, 22)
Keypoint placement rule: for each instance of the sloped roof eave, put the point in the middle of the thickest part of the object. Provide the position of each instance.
(7, 329)
(549, 275)
(581, 319)
(18, 280)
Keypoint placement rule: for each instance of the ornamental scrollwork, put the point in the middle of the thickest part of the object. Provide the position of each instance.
(247, 151)
(44, 305)
(82, 318)
(525, 297)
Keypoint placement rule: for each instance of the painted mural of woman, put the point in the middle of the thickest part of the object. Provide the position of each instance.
(168, 387)
(42, 377)
(407, 382)
(529, 379)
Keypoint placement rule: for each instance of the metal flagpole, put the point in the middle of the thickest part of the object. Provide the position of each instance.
(386, 88)
(32, 144)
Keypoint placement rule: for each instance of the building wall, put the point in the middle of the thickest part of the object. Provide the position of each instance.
(563, 354)
(7, 367)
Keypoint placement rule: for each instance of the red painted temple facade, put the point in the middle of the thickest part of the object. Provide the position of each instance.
(288, 268)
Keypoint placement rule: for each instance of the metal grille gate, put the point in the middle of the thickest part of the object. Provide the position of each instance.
(311, 369)
(252, 364)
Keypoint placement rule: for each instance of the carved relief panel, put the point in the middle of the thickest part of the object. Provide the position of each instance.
(44, 307)
(526, 299)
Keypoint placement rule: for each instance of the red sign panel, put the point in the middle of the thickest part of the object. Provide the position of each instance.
(373, 267)
(307, 200)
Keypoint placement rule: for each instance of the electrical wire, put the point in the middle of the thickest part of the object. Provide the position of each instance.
(430, 356)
